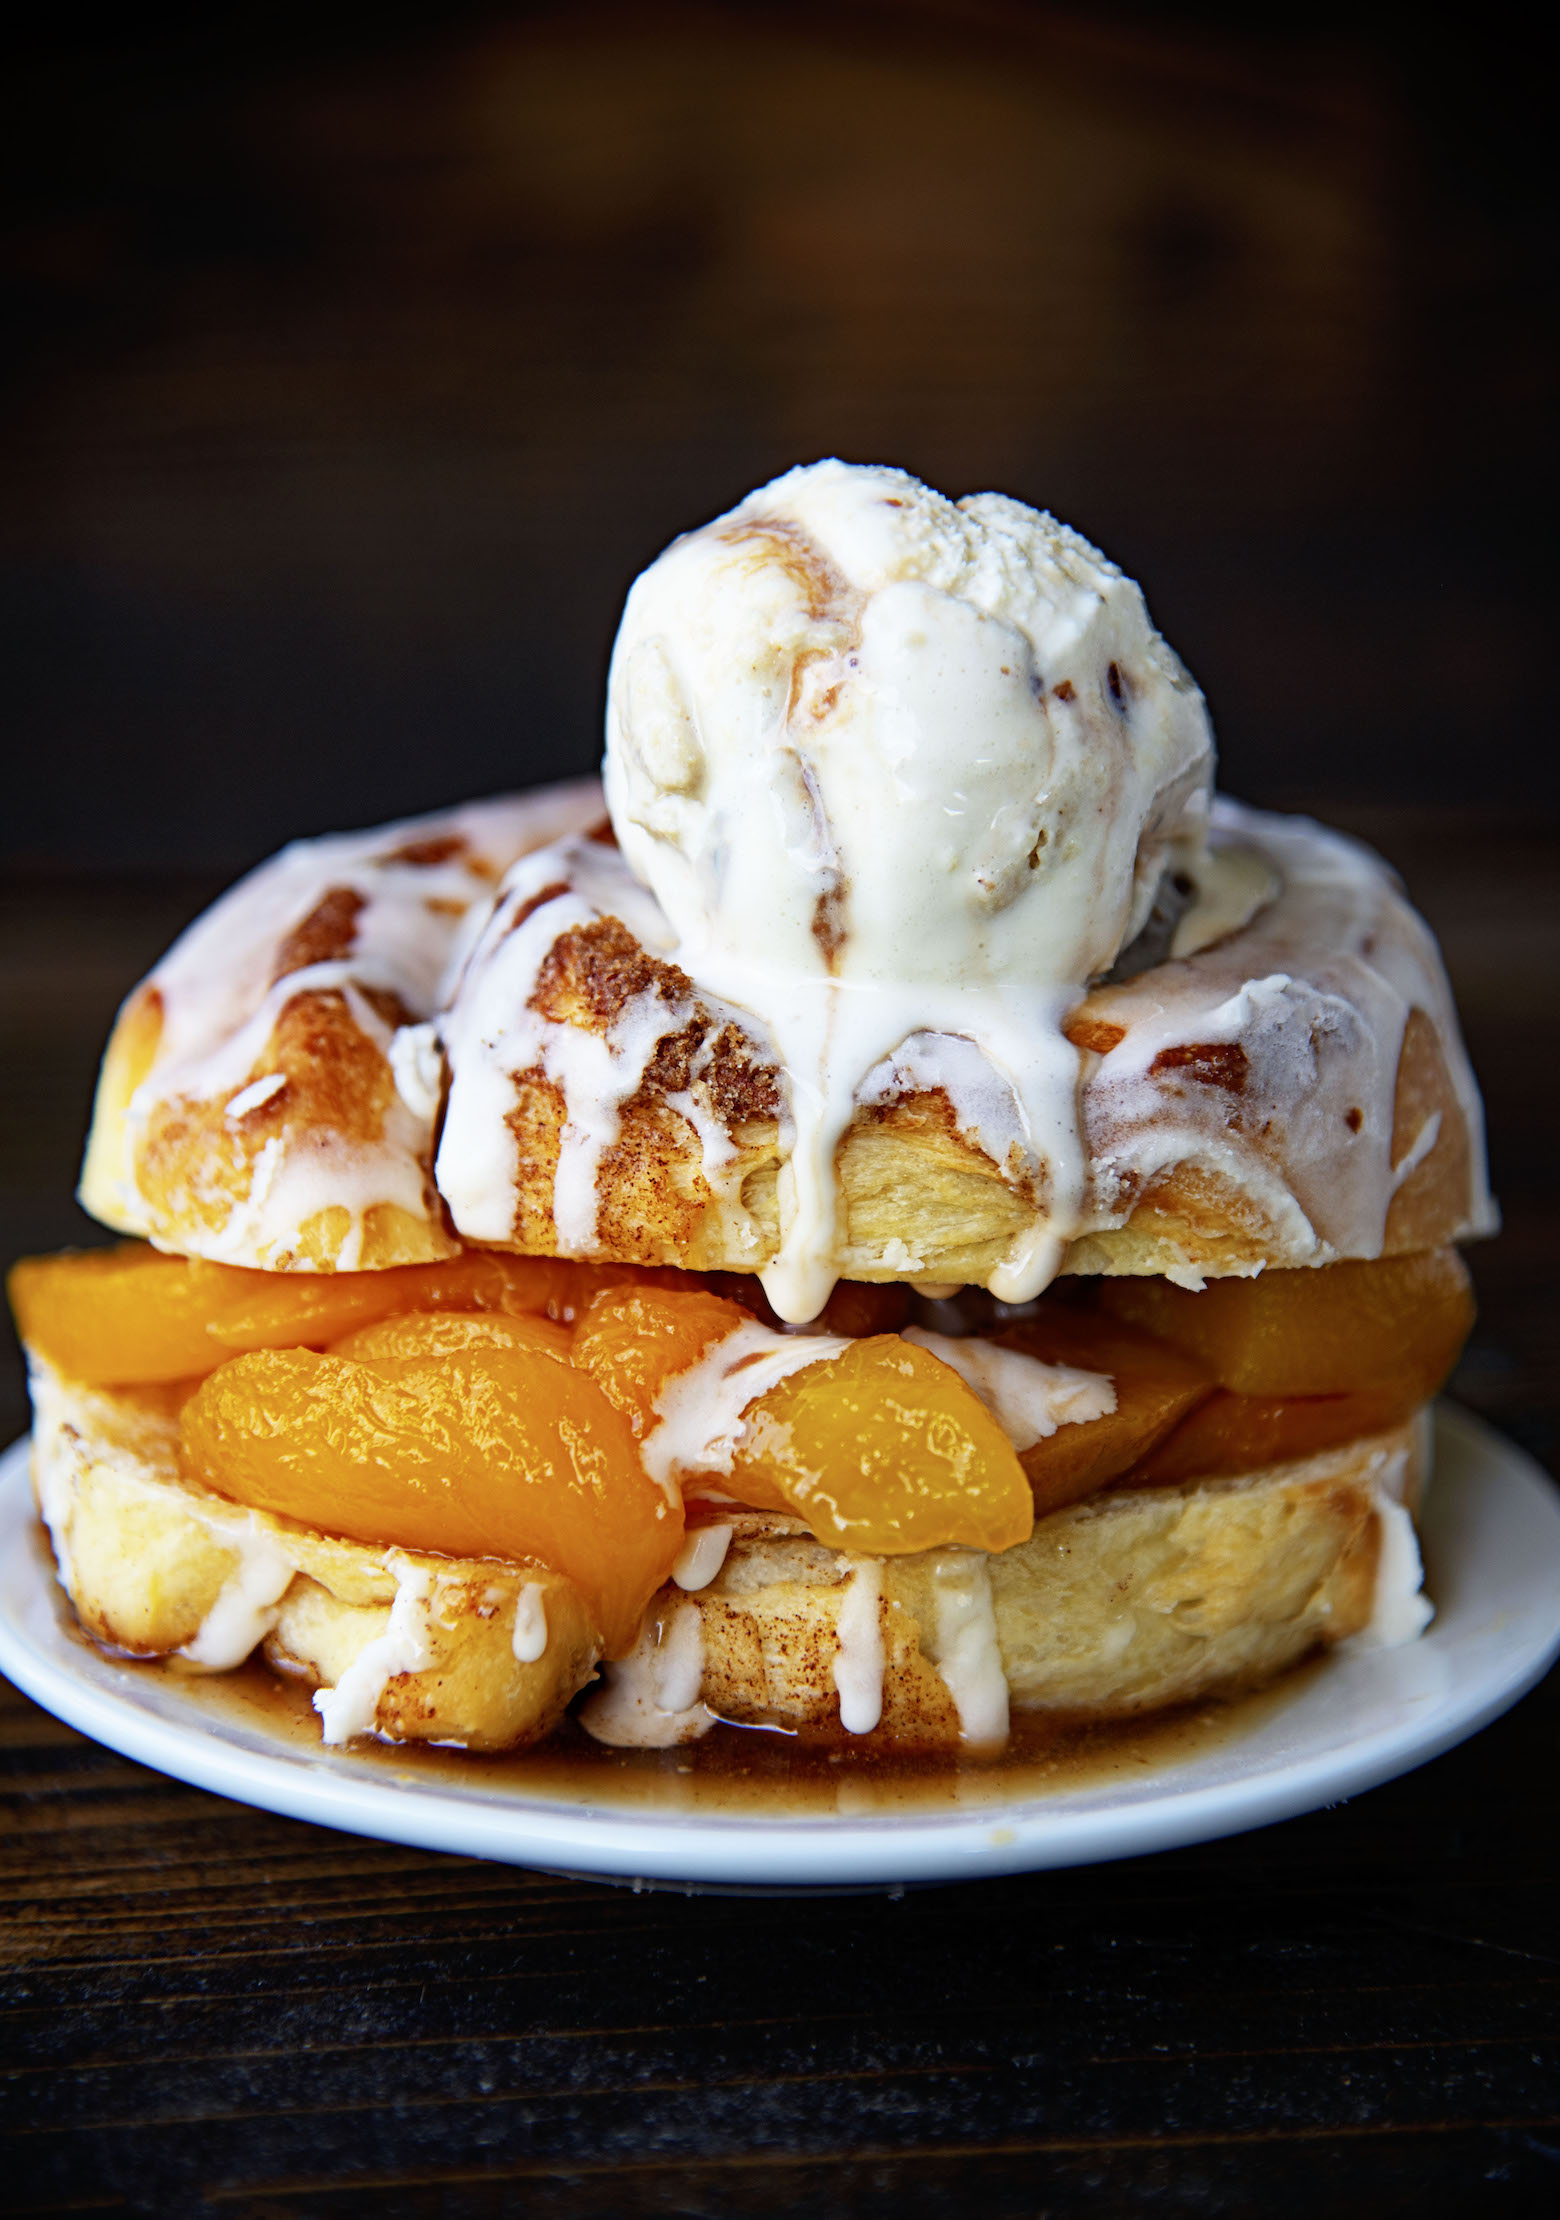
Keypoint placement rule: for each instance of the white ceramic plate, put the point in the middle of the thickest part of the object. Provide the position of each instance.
(1492, 1542)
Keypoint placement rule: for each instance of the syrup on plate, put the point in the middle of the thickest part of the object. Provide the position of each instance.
(759, 1773)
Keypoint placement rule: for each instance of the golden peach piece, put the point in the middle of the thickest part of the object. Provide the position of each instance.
(884, 1449)
(1338, 1329)
(477, 1452)
(1231, 1434)
(1156, 1385)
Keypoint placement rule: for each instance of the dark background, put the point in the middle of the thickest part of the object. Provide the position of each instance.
(355, 361)
(359, 358)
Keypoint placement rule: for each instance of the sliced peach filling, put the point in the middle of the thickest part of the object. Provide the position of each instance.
(1341, 1329)
(129, 1314)
(505, 1406)
(881, 1447)
(470, 1437)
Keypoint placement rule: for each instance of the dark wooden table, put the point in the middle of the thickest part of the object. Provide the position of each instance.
(210, 2011)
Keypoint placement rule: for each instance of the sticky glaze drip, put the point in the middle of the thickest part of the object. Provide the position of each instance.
(248, 1603)
(1028, 1399)
(859, 1659)
(701, 1557)
(650, 1699)
(1400, 1610)
(965, 1647)
(352, 1706)
(529, 1639)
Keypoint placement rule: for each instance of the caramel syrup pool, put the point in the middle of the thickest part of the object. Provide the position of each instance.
(758, 1773)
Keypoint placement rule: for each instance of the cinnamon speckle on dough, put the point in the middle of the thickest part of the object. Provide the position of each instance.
(1210, 1063)
(1098, 1035)
(442, 849)
(592, 971)
(535, 902)
(325, 936)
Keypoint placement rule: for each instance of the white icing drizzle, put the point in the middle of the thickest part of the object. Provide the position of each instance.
(1315, 993)
(351, 1707)
(701, 1410)
(701, 1557)
(256, 1095)
(965, 1646)
(1400, 1610)
(985, 1108)
(1027, 1398)
(248, 1603)
(859, 1660)
(221, 1000)
(494, 1034)
(1424, 1141)
(650, 1698)
(417, 1067)
(529, 1640)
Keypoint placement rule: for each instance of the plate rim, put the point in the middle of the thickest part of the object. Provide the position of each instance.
(735, 1851)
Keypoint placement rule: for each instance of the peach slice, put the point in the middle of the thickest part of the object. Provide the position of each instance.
(423, 1333)
(1231, 1434)
(478, 1451)
(130, 1314)
(1156, 1386)
(885, 1450)
(633, 1342)
(880, 1448)
(1337, 1329)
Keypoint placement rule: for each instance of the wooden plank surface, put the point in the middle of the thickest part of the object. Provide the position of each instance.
(208, 2010)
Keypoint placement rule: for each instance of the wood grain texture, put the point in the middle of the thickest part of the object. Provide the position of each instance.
(206, 2010)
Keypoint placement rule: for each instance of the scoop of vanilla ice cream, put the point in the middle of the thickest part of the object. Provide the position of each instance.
(897, 766)
(858, 730)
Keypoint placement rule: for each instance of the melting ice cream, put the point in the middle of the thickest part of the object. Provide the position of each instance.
(899, 768)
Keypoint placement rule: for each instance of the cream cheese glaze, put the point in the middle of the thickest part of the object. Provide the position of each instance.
(895, 765)
(649, 1700)
(350, 1708)
(1028, 1399)
(700, 1411)
(965, 1648)
(859, 1659)
(1400, 1609)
